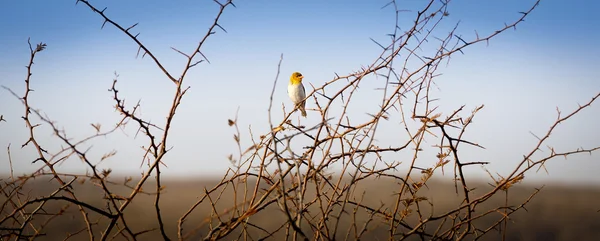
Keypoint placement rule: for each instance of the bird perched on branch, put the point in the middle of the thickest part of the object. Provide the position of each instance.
(296, 92)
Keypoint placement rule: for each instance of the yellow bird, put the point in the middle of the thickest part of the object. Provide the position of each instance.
(296, 92)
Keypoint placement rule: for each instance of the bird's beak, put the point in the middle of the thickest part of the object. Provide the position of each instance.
(301, 77)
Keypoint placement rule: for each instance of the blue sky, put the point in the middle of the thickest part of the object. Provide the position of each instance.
(521, 77)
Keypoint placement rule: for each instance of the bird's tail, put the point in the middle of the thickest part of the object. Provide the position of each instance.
(302, 110)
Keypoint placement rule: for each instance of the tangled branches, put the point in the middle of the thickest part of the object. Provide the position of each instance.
(309, 180)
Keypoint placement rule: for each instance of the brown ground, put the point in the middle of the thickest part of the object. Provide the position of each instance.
(557, 213)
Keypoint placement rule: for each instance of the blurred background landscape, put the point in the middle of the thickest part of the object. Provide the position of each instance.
(558, 211)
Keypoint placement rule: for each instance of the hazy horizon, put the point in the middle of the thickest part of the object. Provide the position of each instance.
(521, 77)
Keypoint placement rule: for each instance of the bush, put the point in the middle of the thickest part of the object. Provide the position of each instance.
(294, 181)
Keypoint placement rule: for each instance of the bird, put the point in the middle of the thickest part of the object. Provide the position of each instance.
(296, 92)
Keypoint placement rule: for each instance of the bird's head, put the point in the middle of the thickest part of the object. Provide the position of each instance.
(296, 78)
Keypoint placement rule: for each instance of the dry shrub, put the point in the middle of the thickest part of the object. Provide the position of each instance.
(282, 185)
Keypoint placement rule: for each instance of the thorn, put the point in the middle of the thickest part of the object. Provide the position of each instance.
(387, 4)
(138, 52)
(221, 28)
(204, 57)
(377, 43)
(132, 26)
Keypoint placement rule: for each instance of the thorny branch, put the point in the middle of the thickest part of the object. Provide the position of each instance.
(288, 170)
